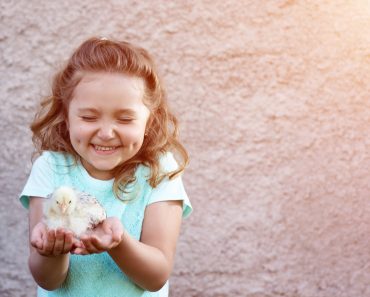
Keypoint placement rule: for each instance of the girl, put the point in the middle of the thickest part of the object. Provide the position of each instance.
(106, 130)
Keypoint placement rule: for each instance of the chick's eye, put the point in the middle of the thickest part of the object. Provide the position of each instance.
(69, 201)
(57, 202)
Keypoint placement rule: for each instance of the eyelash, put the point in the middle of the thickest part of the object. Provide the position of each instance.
(125, 120)
(92, 119)
(88, 119)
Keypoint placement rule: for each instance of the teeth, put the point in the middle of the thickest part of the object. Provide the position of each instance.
(104, 148)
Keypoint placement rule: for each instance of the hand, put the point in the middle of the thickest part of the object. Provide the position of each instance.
(105, 236)
(51, 243)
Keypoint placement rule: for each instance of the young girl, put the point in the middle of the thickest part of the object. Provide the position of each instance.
(106, 130)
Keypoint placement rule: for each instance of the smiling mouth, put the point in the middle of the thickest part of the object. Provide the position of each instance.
(104, 148)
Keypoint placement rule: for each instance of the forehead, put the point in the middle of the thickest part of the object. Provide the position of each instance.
(109, 87)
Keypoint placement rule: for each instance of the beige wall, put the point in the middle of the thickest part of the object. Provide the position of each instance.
(273, 97)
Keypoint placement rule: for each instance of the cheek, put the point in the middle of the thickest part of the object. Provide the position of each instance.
(131, 136)
(79, 133)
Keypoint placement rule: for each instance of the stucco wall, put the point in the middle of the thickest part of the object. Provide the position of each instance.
(273, 97)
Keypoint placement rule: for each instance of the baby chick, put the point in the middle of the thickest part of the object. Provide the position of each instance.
(73, 210)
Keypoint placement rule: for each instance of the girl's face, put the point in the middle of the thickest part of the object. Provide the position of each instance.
(107, 120)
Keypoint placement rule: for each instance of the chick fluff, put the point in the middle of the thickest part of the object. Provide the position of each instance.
(72, 210)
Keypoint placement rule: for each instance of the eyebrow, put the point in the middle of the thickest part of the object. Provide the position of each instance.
(127, 111)
(87, 109)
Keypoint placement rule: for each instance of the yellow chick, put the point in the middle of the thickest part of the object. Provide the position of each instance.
(69, 209)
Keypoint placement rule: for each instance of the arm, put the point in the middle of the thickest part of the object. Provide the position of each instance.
(48, 260)
(147, 262)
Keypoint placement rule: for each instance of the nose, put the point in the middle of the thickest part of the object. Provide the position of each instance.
(106, 131)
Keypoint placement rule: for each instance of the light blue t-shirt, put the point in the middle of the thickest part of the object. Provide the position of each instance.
(98, 275)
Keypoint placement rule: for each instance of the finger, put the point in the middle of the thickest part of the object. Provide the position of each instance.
(104, 243)
(115, 229)
(117, 232)
(107, 226)
(77, 243)
(99, 244)
(68, 242)
(36, 238)
(90, 245)
(37, 243)
(80, 251)
(49, 242)
(59, 242)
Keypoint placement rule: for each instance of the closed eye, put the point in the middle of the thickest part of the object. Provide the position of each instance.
(125, 120)
(88, 118)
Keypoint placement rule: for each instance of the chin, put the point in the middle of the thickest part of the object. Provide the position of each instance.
(108, 167)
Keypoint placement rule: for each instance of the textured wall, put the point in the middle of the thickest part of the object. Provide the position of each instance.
(273, 96)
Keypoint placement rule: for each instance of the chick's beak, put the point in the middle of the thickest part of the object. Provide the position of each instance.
(64, 207)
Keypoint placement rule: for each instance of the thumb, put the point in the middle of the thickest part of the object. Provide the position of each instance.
(117, 231)
(36, 241)
(37, 236)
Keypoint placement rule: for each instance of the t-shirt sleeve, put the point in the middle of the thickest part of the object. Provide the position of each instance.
(171, 189)
(40, 181)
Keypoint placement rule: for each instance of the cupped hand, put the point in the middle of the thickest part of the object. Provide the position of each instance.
(51, 243)
(105, 236)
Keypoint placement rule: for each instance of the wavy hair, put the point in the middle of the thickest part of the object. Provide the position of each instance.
(49, 126)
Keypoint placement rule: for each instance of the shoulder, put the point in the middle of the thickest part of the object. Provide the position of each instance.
(58, 162)
(43, 161)
(50, 164)
(41, 180)
(170, 189)
(167, 162)
(55, 158)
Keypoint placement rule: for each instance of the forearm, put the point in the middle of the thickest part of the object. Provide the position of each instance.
(48, 272)
(145, 265)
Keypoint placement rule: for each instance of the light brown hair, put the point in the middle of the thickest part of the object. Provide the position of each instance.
(50, 130)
